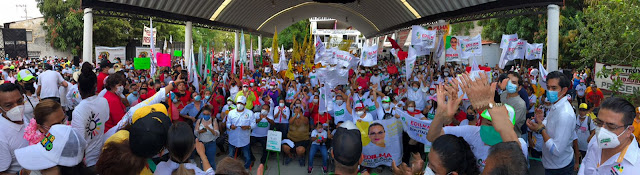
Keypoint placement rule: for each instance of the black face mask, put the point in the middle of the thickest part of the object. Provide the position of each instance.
(471, 117)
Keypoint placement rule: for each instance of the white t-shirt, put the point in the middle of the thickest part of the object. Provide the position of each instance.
(322, 135)
(167, 168)
(28, 107)
(367, 118)
(50, 81)
(339, 113)
(583, 130)
(262, 127)
(471, 134)
(239, 137)
(580, 89)
(10, 140)
(89, 120)
(281, 117)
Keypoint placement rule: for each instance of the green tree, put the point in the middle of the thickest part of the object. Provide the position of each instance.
(610, 34)
(285, 38)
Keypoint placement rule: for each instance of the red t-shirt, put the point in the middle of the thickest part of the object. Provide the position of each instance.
(461, 115)
(321, 118)
(100, 85)
(392, 69)
(184, 100)
(363, 81)
(215, 104)
(116, 110)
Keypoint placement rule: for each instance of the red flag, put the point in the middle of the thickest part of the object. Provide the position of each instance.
(241, 71)
(402, 55)
(395, 45)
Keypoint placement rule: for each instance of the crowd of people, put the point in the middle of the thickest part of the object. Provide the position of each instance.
(110, 118)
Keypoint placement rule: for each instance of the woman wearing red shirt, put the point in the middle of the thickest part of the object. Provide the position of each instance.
(117, 104)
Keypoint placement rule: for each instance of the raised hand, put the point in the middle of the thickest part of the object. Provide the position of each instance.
(479, 92)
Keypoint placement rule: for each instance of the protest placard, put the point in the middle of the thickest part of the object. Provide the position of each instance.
(274, 140)
(142, 63)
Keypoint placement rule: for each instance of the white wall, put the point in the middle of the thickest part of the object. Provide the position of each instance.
(39, 34)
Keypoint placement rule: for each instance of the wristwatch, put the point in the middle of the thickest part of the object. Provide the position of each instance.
(489, 106)
(173, 84)
(540, 130)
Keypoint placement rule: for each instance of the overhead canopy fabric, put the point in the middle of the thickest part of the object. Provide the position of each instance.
(370, 17)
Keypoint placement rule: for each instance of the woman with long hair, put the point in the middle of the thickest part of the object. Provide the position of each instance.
(180, 143)
(449, 154)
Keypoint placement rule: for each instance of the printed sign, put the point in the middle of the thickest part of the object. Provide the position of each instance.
(382, 142)
(274, 140)
(142, 63)
(146, 35)
(629, 86)
(110, 53)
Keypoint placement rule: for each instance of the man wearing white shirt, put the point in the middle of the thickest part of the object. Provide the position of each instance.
(239, 124)
(614, 149)
(11, 127)
(48, 84)
(557, 151)
(264, 120)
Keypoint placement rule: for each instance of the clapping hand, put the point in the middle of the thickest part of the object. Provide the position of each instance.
(449, 107)
(479, 92)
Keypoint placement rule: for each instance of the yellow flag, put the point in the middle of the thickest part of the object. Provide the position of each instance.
(289, 72)
(364, 127)
(274, 47)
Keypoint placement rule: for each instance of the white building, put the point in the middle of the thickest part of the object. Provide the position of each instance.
(37, 46)
(332, 32)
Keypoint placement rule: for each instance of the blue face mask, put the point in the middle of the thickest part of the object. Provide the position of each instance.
(135, 93)
(511, 88)
(552, 96)
(197, 98)
(206, 117)
(207, 97)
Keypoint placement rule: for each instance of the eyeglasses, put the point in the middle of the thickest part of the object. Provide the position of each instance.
(609, 126)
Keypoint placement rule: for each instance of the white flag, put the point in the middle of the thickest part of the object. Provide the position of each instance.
(471, 47)
(421, 50)
(369, 56)
(320, 50)
(344, 59)
(517, 50)
(534, 51)
(420, 36)
(504, 42)
(410, 62)
(542, 78)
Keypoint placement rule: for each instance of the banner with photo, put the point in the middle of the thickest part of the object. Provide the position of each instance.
(416, 129)
(453, 48)
(629, 85)
(142, 52)
(110, 53)
(381, 142)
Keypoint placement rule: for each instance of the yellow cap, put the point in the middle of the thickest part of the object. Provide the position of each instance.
(583, 106)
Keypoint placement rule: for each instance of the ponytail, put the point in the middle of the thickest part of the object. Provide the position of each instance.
(182, 170)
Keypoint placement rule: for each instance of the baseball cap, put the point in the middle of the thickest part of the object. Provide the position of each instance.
(583, 106)
(241, 99)
(148, 133)
(347, 144)
(273, 83)
(24, 75)
(359, 106)
(105, 63)
(230, 99)
(386, 99)
(61, 146)
(488, 134)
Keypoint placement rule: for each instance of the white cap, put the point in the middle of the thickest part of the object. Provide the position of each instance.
(241, 99)
(61, 146)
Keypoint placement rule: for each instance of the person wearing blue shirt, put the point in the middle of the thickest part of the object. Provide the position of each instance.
(191, 110)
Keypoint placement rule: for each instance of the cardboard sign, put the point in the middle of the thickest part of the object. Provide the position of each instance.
(142, 63)
(177, 53)
(274, 140)
(164, 60)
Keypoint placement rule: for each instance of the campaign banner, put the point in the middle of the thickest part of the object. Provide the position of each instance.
(142, 52)
(453, 48)
(146, 35)
(504, 42)
(333, 76)
(472, 47)
(423, 37)
(534, 51)
(369, 56)
(629, 85)
(110, 53)
(416, 129)
(344, 58)
(320, 51)
(410, 62)
(516, 50)
(381, 142)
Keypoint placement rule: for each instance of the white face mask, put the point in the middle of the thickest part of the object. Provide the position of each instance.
(119, 90)
(360, 113)
(229, 103)
(315, 100)
(606, 138)
(281, 104)
(264, 112)
(15, 113)
(112, 71)
(339, 102)
(428, 171)
(410, 109)
(240, 106)
(245, 88)
(385, 105)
